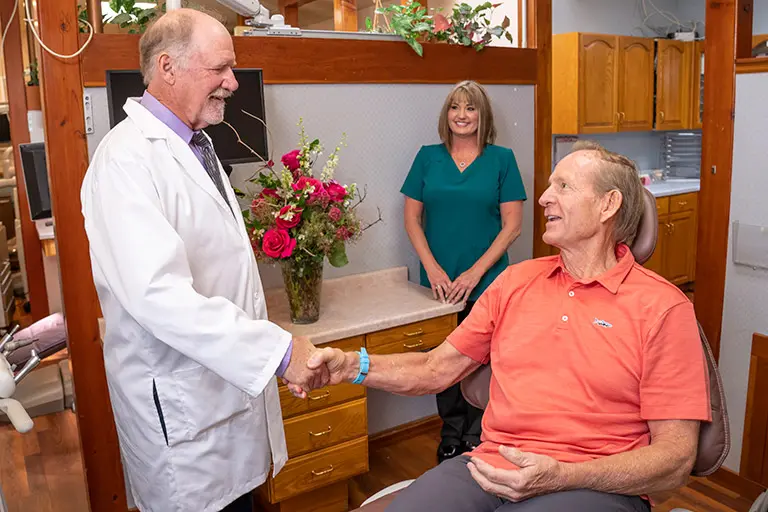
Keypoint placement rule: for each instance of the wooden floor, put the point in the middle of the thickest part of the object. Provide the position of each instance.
(42, 471)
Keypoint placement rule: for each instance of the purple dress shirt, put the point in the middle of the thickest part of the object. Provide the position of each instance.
(178, 126)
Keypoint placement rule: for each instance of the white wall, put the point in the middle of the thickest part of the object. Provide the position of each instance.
(746, 290)
(760, 17)
(622, 17)
(642, 147)
(385, 125)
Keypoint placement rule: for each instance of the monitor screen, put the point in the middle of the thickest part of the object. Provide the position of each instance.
(5, 128)
(36, 179)
(249, 96)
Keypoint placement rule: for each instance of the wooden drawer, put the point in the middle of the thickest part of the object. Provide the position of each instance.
(347, 345)
(662, 205)
(318, 399)
(318, 469)
(419, 344)
(683, 202)
(410, 334)
(318, 430)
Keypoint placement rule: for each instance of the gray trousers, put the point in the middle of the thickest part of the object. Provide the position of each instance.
(449, 487)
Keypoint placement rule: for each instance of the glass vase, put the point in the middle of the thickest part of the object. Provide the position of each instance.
(303, 284)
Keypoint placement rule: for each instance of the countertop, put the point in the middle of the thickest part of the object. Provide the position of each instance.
(361, 304)
(673, 186)
(358, 304)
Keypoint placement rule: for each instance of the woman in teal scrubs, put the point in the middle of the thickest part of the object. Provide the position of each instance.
(463, 209)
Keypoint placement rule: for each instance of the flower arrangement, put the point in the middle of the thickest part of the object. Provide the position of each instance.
(466, 25)
(297, 220)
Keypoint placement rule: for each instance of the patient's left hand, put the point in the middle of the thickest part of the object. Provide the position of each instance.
(538, 474)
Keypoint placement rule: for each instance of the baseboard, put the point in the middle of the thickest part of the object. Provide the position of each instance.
(411, 429)
(737, 483)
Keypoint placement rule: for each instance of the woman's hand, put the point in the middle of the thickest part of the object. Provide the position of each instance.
(441, 285)
(463, 286)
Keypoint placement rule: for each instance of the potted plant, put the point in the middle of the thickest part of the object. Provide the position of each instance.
(298, 220)
(33, 88)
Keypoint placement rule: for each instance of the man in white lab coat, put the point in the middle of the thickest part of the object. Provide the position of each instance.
(190, 357)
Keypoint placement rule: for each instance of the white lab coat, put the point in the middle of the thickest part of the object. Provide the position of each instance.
(187, 338)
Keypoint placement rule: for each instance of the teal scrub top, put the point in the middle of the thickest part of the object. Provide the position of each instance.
(462, 210)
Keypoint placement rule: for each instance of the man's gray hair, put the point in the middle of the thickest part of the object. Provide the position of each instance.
(169, 34)
(617, 172)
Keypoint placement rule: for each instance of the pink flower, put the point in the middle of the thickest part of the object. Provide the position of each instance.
(334, 214)
(278, 243)
(291, 160)
(322, 198)
(306, 182)
(441, 23)
(343, 233)
(288, 217)
(336, 191)
(269, 192)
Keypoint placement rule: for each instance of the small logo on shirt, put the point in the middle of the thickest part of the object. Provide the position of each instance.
(602, 323)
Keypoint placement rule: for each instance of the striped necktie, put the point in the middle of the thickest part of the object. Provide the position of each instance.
(210, 161)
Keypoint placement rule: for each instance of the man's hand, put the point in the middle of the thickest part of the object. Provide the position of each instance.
(300, 378)
(538, 474)
(341, 366)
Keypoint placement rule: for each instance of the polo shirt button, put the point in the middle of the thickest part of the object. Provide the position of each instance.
(571, 294)
(565, 318)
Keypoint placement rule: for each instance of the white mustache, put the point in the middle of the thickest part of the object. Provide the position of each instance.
(222, 94)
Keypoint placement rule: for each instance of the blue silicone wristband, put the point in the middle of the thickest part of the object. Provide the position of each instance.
(364, 365)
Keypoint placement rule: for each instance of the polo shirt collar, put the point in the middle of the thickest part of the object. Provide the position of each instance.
(612, 278)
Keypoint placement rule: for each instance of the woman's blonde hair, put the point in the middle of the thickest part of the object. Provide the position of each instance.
(475, 95)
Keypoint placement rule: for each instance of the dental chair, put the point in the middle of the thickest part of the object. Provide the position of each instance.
(47, 389)
(714, 437)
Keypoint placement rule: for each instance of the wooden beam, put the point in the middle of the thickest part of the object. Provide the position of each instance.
(17, 112)
(311, 61)
(520, 23)
(94, 16)
(752, 65)
(716, 166)
(539, 34)
(345, 15)
(744, 28)
(290, 11)
(67, 156)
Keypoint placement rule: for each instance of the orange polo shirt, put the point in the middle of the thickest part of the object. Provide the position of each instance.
(580, 367)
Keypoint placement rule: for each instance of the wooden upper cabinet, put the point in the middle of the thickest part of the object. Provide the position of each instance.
(673, 90)
(697, 87)
(635, 83)
(597, 83)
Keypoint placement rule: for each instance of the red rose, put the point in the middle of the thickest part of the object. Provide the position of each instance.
(336, 191)
(269, 192)
(291, 160)
(305, 182)
(278, 243)
(288, 217)
(343, 233)
(334, 214)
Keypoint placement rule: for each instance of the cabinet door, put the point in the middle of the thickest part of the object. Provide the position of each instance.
(680, 245)
(656, 261)
(598, 58)
(697, 89)
(673, 92)
(635, 84)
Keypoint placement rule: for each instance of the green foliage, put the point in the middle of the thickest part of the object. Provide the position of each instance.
(409, 21)
(128, 15)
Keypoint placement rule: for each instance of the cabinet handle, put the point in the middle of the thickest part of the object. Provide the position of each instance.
(323, 472)
(418, 332)
(618, 117)
(413, 345)
(672, 225)
(682, 203)
(320, 434)
(623, 117)
(325, 394)
(669, 228)
(661, 115)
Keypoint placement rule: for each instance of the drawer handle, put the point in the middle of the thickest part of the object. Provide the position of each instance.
(326, 394)
(414, 333)
(323, 472)
(414, 345)
(682, 203)
(320, 434)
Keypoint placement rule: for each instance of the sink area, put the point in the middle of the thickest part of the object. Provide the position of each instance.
(672, 186)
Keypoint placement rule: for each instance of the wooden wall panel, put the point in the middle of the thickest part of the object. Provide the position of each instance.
(296, 60)
(754, 445)
(67, 155)
(539, 35)
(744, 17)
(716, 164)
(17, 106)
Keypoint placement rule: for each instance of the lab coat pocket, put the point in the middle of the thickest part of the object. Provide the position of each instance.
(201, 400)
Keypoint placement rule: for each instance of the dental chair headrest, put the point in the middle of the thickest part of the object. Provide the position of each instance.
(648, 231)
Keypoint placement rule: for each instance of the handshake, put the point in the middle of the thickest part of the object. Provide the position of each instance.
(312, 368)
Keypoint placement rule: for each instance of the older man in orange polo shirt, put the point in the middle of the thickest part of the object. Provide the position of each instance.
(599, 380)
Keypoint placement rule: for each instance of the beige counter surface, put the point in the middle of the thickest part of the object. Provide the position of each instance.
(358, 304)
(361, 304)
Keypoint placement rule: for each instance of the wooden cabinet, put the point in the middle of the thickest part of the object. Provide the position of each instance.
(675, 254)
(608, 83)
(327, 433)
(697, 87)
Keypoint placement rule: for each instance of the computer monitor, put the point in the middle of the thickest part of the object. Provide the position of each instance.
(5, 128)
(36, 179)
(122, 85)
